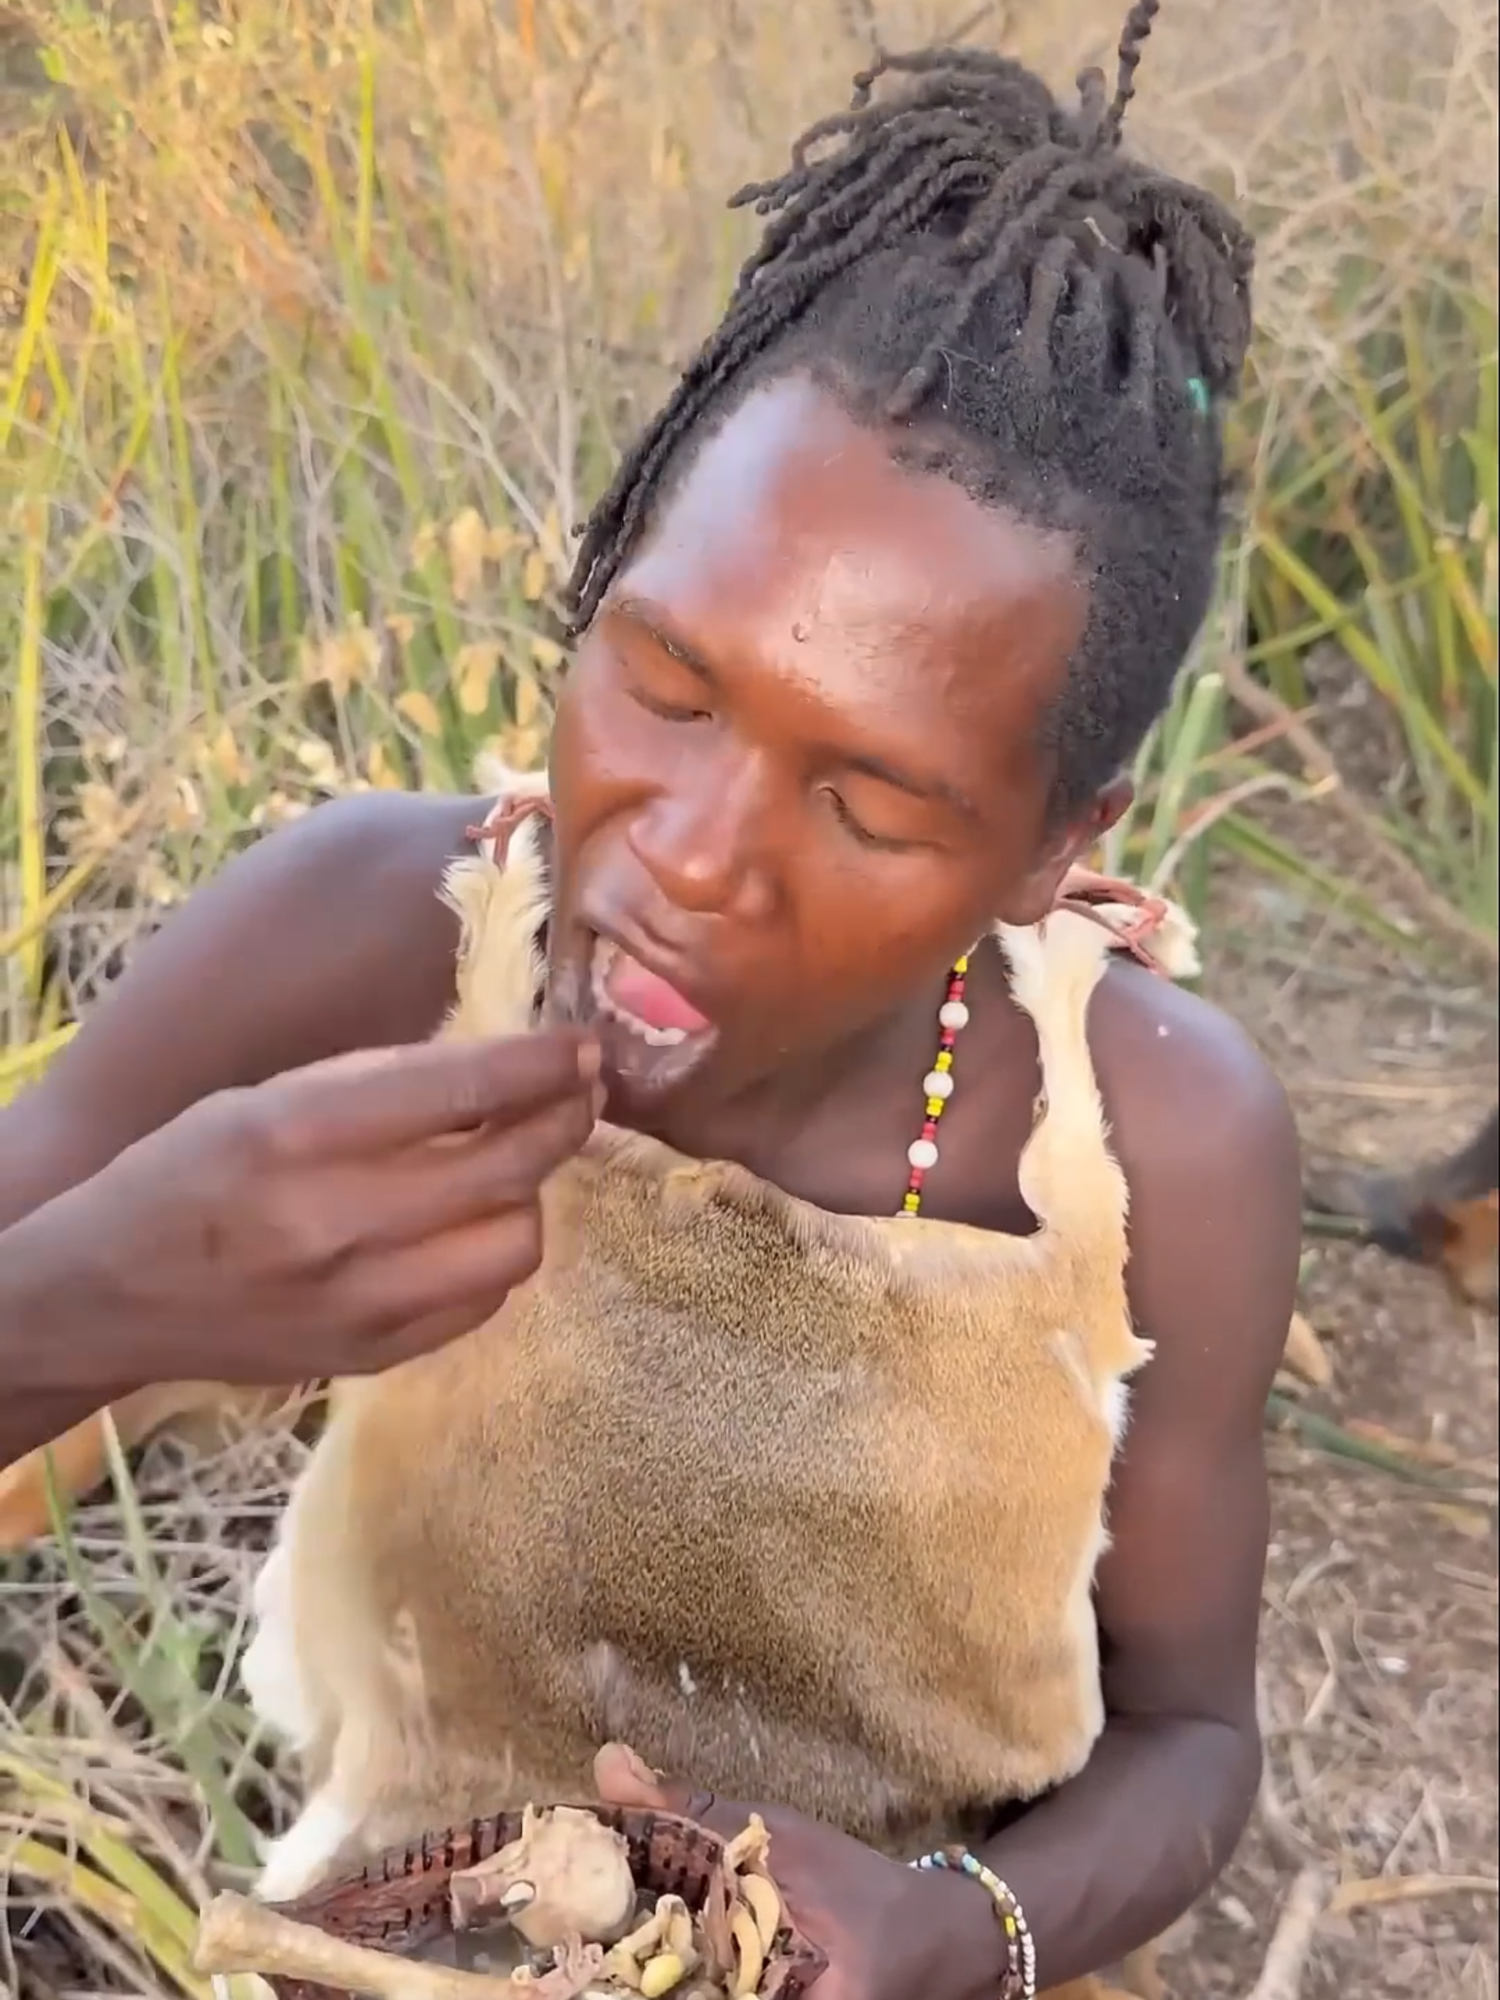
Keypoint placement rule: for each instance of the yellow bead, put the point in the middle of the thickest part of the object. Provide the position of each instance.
(934, 1107)
(913, 1201)
(944, 1059)
(960, 966)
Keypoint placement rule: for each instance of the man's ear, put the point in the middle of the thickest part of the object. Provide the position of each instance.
(1067, 841)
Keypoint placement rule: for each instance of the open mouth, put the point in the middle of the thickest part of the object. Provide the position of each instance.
(652, 1034)
(642, 1001)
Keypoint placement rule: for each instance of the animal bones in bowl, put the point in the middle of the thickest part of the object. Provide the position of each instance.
(599, 1903)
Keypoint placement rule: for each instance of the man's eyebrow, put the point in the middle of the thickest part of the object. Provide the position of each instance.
(650, 620)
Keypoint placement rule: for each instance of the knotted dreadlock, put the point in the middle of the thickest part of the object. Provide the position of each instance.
(983, 273)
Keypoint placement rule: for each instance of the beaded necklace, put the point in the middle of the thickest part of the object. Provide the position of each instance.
(922, 1153)
(1082, 892)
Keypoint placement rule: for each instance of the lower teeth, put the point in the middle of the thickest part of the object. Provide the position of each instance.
(605, 954)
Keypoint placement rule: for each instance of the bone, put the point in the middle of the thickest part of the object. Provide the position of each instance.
(237, 1935)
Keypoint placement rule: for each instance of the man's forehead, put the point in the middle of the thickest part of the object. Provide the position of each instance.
(790, 499)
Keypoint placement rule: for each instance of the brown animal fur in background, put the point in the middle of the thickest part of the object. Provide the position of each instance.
(1444, 1213)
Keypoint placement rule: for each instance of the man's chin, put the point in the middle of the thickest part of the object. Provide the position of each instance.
(642, 1074)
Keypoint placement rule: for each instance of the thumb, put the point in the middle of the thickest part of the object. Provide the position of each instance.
(625, 1779)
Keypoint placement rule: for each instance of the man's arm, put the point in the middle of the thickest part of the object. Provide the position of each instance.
(1114, 1857)
(56, 1362)
(326, 937)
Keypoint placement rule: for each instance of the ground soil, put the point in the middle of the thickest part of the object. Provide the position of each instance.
(1380, 1632)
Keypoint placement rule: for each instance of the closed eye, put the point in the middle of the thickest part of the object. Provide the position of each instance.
(858, 831)
(669, 711)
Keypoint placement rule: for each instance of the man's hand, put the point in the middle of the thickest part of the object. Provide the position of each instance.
(889, 1932)
(333, 1221)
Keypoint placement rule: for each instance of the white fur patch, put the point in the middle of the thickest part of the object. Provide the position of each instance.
(269, 1671)
(303, 1853)
(1116, 1400)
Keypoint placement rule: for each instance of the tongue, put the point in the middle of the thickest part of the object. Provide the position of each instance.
(650, 998)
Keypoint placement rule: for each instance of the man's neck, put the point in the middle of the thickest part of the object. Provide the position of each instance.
(864, 1089)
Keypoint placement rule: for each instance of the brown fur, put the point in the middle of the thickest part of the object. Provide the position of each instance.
(779, 1497)
(1443, 1212)
(1462, 1238)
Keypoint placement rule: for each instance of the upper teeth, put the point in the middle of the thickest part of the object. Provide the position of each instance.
(605, 954)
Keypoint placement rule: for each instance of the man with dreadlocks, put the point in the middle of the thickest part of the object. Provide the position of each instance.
(787, 1026)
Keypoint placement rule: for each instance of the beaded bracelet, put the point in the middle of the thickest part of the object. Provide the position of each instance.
(1019, 1979)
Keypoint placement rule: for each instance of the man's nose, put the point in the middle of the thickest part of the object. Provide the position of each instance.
(701, 842)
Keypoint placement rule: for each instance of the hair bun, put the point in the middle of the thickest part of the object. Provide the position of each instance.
(964, 213)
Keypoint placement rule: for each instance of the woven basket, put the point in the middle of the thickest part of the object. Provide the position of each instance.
(399, 1903)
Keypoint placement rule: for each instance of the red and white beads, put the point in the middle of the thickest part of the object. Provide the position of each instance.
(953, 1016)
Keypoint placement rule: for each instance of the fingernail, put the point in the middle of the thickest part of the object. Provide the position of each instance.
(590, 1060)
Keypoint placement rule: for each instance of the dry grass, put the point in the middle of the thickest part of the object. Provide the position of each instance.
(319, 323)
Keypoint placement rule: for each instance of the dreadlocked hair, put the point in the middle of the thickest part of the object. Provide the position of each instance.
(985, 274)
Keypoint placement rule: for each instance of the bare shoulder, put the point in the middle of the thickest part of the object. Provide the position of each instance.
(1182, 1079)
(1205, 1134)
(327, 935)
(1207, 1139)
